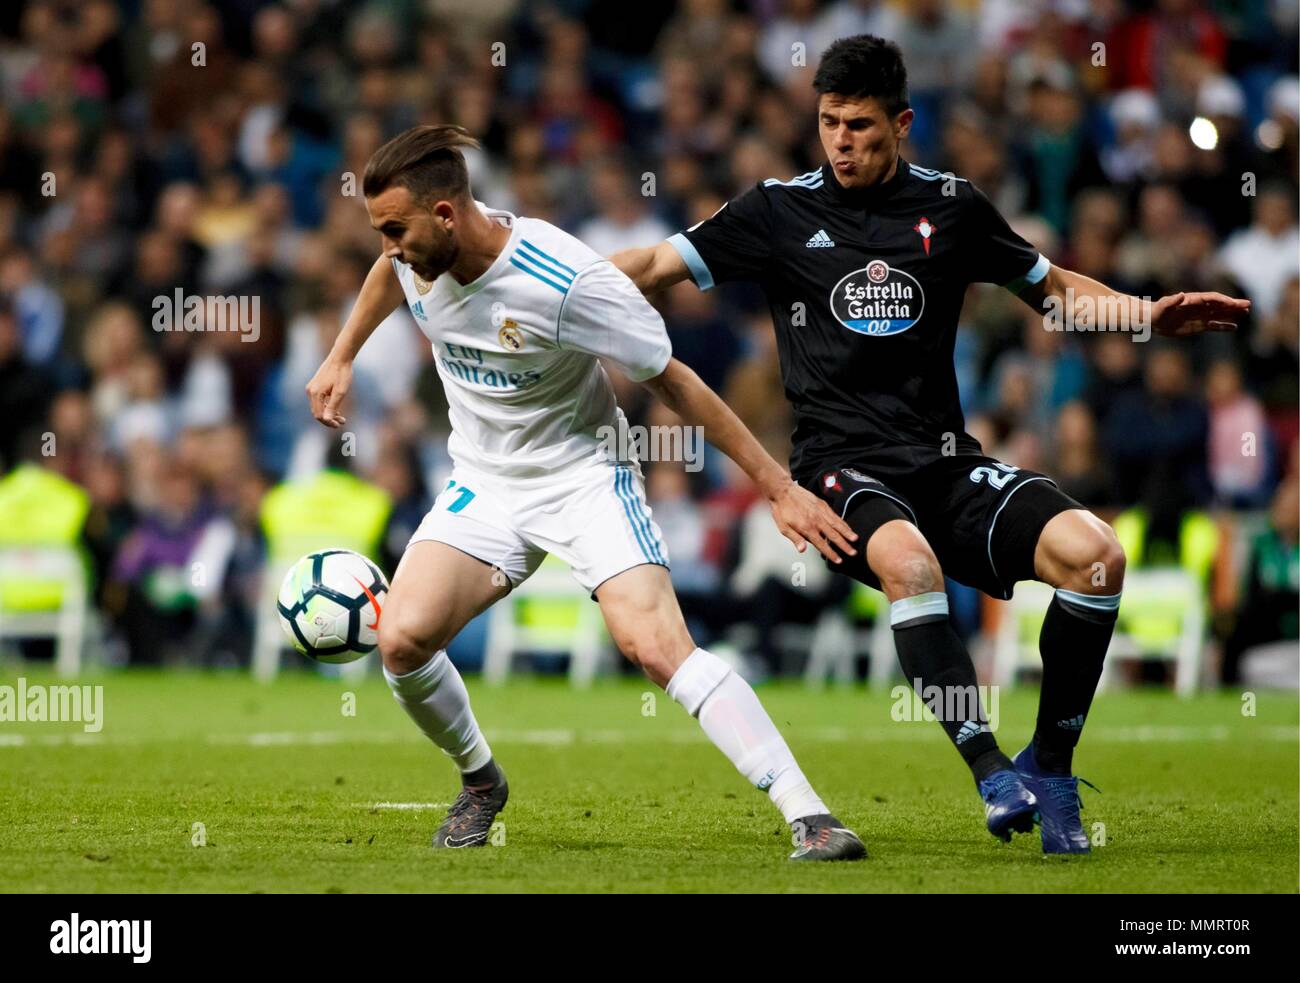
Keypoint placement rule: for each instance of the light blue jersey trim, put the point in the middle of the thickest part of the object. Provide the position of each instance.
(531, 271)
(812, 181)
(1098, 602)
(926, 605)
(553, 272)
(627, 511)
(1035, 274)
(645, 523)
(694, 261)
(930, 174)
(631, 508)
(548, 259)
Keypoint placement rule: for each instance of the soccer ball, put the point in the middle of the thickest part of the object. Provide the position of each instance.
(330, 603)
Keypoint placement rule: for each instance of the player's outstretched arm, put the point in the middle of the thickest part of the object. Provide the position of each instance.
(801, 516)
(1073, 298)
(379, 295)
(653, 268)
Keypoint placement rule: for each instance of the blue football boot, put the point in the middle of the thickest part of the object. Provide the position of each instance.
(1009, 806)
(1058, 805)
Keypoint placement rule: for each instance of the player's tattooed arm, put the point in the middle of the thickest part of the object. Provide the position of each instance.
(379, 295)
(1072, 297)
(653, 268)
(801, 516)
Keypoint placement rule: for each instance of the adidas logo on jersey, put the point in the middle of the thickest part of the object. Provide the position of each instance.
(1074, 723)
(418, 310)
(820, 240)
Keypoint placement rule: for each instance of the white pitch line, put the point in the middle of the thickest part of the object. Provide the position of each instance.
(58, 740)
(567, 737)
(544, 737)
(401, 805)
(284, 738)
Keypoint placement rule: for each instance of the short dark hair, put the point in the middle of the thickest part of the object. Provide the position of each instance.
(864, 66)
(425, 160)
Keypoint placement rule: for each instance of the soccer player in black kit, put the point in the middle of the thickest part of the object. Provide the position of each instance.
(865, 263)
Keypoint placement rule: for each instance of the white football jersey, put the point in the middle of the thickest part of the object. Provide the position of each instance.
(517, 349)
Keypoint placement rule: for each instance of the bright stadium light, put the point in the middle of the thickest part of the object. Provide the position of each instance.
(1203, 133)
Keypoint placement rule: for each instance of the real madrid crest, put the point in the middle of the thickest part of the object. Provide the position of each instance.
(422, 285)
(510, 336)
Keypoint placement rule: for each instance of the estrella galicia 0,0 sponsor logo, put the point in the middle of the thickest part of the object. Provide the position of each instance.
(878, 300)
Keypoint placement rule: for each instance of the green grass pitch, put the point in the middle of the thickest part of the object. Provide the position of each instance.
(614, 790)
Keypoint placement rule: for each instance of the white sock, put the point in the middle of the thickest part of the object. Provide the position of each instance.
(434, 696)
(732, 716)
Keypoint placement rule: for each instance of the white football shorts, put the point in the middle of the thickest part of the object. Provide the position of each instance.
(594, 517)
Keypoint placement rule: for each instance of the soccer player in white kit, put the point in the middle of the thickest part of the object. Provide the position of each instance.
(519, 314)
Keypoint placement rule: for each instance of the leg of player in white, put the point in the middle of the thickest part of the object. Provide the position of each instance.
(643, 617)
(597, 520)
(436, 591)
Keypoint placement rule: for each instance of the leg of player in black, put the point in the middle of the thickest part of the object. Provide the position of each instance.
(1079, 555)
(932, 655)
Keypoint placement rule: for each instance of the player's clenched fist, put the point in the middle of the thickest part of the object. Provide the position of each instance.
(326, 391)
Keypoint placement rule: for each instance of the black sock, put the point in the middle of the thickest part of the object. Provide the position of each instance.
(488, 775)
(933, 656)
(1073, 643)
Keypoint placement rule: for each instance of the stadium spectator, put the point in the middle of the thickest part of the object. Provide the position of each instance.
(1056, 153)
(154, 591)
(702, 336)
(1078, 466)
(1274, 366)
(783, 42)
(1263, 256)
(1279, 134)
(1157, 437)
(1239, 439)
(1146, 47)
(23, 388)
(1270, 587)
(1135, 115)
(39, 308)
(622, 219)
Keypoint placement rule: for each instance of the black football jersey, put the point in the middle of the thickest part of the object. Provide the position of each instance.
(865, 288)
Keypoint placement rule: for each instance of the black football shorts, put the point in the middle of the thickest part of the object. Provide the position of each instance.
(981, 517)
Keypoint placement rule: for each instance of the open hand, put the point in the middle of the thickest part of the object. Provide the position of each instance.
(1184, 314)
(804, 518)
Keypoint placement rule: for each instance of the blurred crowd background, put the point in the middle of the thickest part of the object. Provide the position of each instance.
(160, 144)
